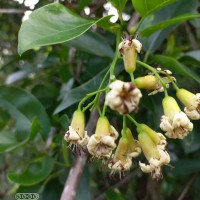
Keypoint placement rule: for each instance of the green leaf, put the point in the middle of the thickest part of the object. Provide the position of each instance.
(186, 167)
(92, 43)
(83, 3)
(9, 141)
(146, 7)
(35, 172)
(118, 4)
(190, 60)
(114, 194)
(75, 95)
(179, 8)
(175, 66)
(51, 24)
(152, 29)
(24, 107)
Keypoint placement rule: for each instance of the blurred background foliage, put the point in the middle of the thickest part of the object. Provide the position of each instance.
(40, 90)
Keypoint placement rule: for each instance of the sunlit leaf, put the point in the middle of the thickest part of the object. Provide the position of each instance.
(146, 7)
(152, 29)
(51, 24)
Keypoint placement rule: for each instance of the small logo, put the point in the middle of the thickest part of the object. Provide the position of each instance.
(26, 196)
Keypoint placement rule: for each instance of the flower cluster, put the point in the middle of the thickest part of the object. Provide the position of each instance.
(124, 97)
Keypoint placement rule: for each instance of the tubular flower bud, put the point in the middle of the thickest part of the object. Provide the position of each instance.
(174, 121)
(123, 97)
(102, 143)
(129, 49)
(191, 102)
(76, 135)
(150, 82)
(153, 146)
(134, 145)
(121, 160)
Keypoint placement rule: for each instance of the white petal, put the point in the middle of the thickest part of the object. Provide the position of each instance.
(145, 168)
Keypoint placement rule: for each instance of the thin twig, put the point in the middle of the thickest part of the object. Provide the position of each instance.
(76, 170)
(191, 37)
(187, 187)
(122, 182)
(133, 21)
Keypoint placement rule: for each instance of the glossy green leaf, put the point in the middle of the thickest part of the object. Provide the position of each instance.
(51, 24)
(9, 141)
(179, 8)
(35, 172)
(118, 4)
(92, 43)
(75, 95)
(190, 60)
(146, 7)
(175, 66)
(152, 29)
(24, 107)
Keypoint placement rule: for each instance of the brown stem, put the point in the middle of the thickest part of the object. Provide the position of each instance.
(122, 182)
(191, 37)
(76, 170)
(187, 187)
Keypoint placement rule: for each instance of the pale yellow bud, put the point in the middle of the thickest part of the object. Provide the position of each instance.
(149, 82)
(148, 146)
(170, 106)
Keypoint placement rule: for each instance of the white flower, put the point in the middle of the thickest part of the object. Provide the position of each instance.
(128, 44)
(129, 49)
(102, 143)
(121, 161)
(174, 121)
(153, 146)
(193, 111)
(123, 97)
(73, 137)
(191, 102)
(101, 147)
(76, 135)
(177, 127)
(155, 164)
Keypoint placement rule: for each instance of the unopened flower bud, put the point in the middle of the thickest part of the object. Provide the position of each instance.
(134, 146)
(191, 102)
(174, 121)
(76, 134)
(151, 82)
(153, 146)
(129, 49)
